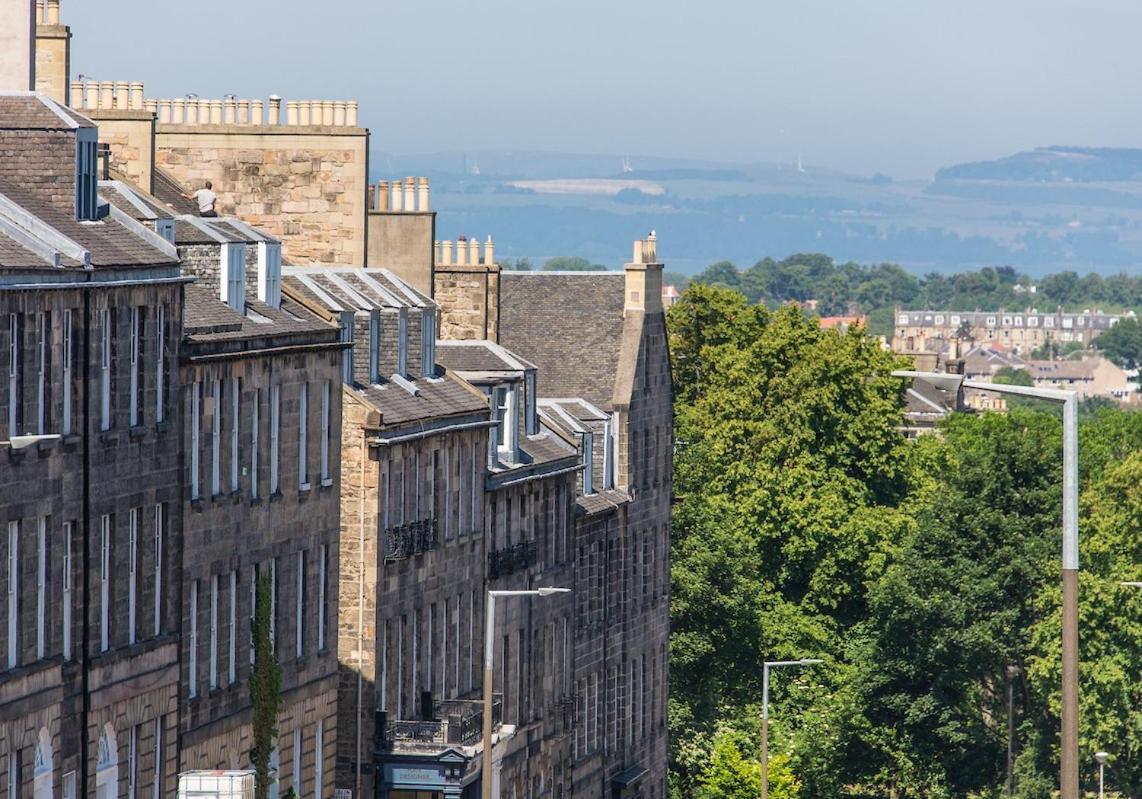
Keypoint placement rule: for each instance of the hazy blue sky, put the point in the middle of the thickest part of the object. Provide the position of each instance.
(900, 86)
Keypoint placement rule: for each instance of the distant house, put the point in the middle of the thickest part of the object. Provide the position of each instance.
(1090, 377)
(670, 295)
(843, 323)
(1021, 331)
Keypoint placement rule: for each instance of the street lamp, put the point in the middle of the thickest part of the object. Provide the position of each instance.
(1101, 757)
(489, 650)
(21, 442)
(766, 666)
(1069, 751)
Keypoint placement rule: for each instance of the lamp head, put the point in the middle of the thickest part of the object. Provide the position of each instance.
(811, 661)
(548, 591)
(20, 442)
(1102, 757)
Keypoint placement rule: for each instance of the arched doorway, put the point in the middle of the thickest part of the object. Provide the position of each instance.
(107, 766)
(42, 782)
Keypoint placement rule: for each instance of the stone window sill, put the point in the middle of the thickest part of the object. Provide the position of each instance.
(110, 437)
(137, 433)
(327, 482)
(276, 496)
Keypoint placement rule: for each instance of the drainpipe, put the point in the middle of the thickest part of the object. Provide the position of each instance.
(85, 702)
(360, 606)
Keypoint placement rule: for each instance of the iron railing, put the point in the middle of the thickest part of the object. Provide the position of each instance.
(520, 556)
(457, 722)
(410, 539)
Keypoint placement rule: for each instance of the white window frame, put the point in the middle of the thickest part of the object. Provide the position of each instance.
(195, 436)
(232, 633)
(135, 340)
(402, 342)
(233, 275)
(213, 668)
(588, 439)
(326, 399)
(13, 374)
(270, 273)
(13, 593)
(428, 342)
(43, 336)
(86, 174)
(132, 572)
(322, 565)
(303, 438)
(41, 587)
(105, 369)
(275, 438)
(235, 424)
(192, 664)
(66, 578)
(159, 521)
(374, 346)
(105, 533)
(157, 779)
(255, 418)
(160, 362)
(299, 606)
(67, 345)
(216, 438)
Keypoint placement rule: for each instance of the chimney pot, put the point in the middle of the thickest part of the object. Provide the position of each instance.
(229, 111)
(422, 192)
(276, 110)
(327, 112)
(215, 112)
(52, 15)
(291, 112)
(256, 116)
(76, 94)
(351, 114)
(151, 105)
(339, 113)
(410, 194)
(398, 197)
(192, 111)
(303, 112)
(383, 195)
(178, 111)
(106, 94)
(489, 252)
(474, 251)
(122, 95)
(446, 253)
(165, 111)
(243, 112)
(436, 251)
(136, 95)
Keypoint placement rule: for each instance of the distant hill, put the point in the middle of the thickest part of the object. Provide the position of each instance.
(1054, 164)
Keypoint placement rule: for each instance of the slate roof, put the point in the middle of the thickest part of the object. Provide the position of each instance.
(478, 356)
(434, 398)
(207, 319)
(570, 326)
(170, 191)
(351, 288)
(133, 201)
(34, 111)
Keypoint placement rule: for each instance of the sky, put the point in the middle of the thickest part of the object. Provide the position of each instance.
(902, 87)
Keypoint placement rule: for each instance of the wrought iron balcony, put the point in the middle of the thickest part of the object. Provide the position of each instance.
(515, 558)
(458, 722)
(410, 539)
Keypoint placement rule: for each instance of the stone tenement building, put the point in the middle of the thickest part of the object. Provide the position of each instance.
(1022, 331)
(91, 310)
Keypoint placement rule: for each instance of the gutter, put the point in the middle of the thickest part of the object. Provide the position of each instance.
(379, 441)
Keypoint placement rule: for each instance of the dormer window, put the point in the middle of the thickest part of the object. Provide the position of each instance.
(428, 342)
(588, 462)
(86, 174)
(270, 273)
(531, 415)
(234, 276)
(402, 343)
(504, 408)
(165, 228)
(347, 321)
(374, 346)
(609, 454)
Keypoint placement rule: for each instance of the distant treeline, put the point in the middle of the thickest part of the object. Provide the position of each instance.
(873, 290)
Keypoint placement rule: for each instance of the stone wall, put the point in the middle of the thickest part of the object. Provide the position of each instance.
(130, 469)
(304, 185)
(469, 300)
(53, 59)
(237, 533)
(130, 136)
(402, 243)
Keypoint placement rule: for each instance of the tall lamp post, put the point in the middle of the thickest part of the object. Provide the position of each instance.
(489, 650)
(1069, 751)
(1101, 757)
(766, 666)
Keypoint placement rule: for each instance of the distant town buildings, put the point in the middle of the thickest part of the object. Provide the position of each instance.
(1021, 331)
(311, 389)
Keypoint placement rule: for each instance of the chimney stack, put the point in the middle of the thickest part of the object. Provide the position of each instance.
(644, 277)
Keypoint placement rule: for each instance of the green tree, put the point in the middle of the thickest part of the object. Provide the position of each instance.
(1011, 376)
(723, 273)
(570, 263)
(733, 775)
(265, 691)
(1122, 343)
(518, 265)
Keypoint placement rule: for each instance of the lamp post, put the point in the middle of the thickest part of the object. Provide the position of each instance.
(1101, 757)
(21, 442)
(1069, 750)
(489, 650)
(766, 666)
